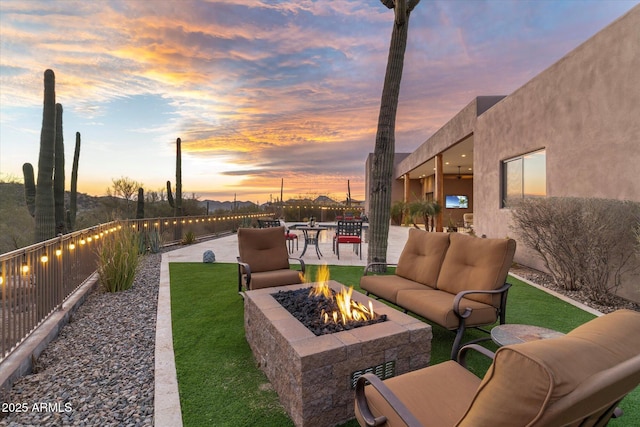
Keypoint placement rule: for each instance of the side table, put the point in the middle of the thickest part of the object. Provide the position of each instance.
(511, 333)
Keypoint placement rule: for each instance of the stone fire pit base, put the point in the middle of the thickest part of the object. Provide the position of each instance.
(314, 375)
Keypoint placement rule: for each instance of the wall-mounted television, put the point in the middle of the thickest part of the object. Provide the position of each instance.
(454, 202)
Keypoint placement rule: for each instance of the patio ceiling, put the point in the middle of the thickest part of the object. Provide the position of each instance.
(460, 154)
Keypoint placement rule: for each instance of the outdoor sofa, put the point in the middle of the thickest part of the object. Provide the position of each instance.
(454, 280)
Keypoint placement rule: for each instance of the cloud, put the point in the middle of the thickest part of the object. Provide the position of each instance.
(265, 89)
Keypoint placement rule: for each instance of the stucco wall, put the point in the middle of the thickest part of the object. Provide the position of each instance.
(584, 110)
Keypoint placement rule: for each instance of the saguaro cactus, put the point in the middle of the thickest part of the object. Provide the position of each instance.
(172, 203)
(44, 210)
(29, 188)
(58, 174)
(176, 203)
(73, 197)
(140, 207)
(45, 200)
(178, 177)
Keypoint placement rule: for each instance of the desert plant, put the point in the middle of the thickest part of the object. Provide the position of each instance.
(117, 260)
(149, 241)
(189, 238)
(73, 196)
(397, 212)
(585, 244)
(45, 200)
(140, 206)
(424, 209)
(176, 202)
(58, 175)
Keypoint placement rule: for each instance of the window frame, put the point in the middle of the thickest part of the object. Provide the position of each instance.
(505, 202)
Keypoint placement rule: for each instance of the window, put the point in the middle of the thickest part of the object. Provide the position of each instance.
(524, 177)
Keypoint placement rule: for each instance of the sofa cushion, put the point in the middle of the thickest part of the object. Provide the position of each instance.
(525, 379)
(422, 256)
(387, 286)
(437, 306)
(264, 249)
(433, 406)
(476, 263)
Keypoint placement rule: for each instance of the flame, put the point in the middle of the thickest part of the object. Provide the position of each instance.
(322, 283)
(348, 309)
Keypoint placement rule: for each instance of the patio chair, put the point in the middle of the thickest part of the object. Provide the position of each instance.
(264, 260)
(288, 235)
(574, 380)
(467, 220)
(348, 232)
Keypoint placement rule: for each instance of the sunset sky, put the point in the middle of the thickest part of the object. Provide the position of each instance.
(260, 91)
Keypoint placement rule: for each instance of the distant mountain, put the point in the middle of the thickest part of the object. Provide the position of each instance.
(215, 205)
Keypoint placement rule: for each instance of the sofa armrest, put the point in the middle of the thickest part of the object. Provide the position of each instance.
(372, 264)
(462, 354)
(467, 311)
(370, 420)
(247, 271)
(301, 262)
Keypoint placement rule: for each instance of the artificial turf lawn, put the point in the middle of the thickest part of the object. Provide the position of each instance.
(219, 382)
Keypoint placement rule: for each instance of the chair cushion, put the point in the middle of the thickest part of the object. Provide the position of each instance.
(387, 286)
(267, 279)
(348, 239)
(437, 306)
(437, 395)
(422, 256)
(264, 249)
(476, 263)
(525, 379)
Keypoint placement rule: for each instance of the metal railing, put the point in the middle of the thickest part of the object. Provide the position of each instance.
(36, 280)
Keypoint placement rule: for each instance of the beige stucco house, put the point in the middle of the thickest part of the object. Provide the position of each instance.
(573, 130)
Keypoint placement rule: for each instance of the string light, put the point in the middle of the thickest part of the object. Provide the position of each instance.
(25, 267)
(72, 246)
(44, 258)
(59, 252)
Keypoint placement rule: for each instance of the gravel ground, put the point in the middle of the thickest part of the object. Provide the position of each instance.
(543, 279)
(100, 370)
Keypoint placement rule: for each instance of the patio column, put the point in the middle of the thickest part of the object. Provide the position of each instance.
(407, 186)
(439, 191)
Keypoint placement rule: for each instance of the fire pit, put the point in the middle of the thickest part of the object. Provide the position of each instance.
(325, 311)
(314, 375)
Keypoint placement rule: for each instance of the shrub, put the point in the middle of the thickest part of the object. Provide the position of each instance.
(117, 260)
(585, 244)
(189, 238)
(398, 210)
(149, 241)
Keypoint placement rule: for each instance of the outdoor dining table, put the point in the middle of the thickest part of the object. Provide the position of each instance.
(311, 236)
